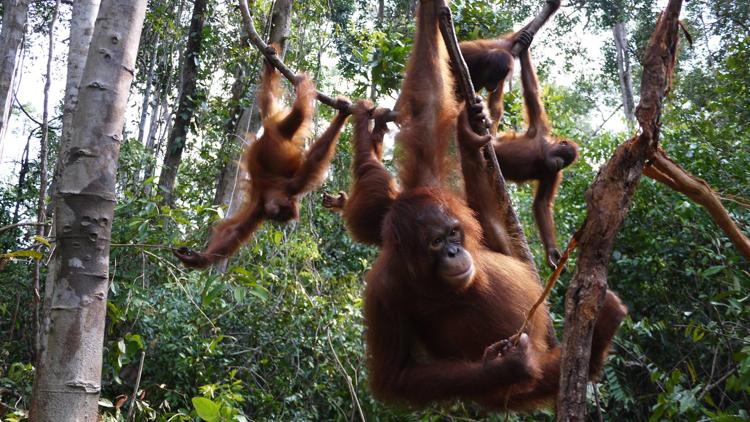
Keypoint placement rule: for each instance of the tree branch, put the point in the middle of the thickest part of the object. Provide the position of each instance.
(608, 200)
(663, 169)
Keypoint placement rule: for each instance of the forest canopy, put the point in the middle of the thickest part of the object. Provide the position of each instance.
(275, 332)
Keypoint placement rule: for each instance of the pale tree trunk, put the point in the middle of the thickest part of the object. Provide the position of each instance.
(81, 28)
(154, 46)
(41, 213)
(186, 107)
(623, 69)
(68, 375)
(15, 15)
(230, 189)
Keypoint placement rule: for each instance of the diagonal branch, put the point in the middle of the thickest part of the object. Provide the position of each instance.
(273, 58)
(608, 200)
(665, 170)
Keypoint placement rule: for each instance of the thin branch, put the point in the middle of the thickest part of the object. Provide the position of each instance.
(665, 170)
(131, 410)
(347, 378)
(270, 54)
(23, 223)
(23, 110)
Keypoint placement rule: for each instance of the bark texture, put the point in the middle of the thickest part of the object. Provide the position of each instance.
(187, 102)
(15, 15)
(68, 377)
(608, 200)
(82, 21)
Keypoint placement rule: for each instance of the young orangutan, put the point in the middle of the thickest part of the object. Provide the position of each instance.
(280, 170)
(536, 155)
(373, 186)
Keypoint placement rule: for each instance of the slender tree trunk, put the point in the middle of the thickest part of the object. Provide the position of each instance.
(41, 215)
(186, 108)
(147, 92)
(68, 376)
(15, 15)
(229, 190)
(623, 69)
(22, 172)
(378, 25)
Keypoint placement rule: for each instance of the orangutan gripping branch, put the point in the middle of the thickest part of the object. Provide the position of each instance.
(280, 170)
(440, 306)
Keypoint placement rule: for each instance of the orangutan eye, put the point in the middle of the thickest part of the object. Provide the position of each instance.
(437, 242)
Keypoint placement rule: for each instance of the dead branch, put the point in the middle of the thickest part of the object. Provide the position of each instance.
(663, 169)
(608, 200)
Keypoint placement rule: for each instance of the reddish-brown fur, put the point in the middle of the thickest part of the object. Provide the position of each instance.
(434, 333)
(534, 155)
(490, 63)
(280, 170)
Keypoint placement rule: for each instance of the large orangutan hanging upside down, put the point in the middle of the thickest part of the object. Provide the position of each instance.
(280, 171)
(440, 305)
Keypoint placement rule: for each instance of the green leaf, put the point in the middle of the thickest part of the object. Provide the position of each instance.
(16, 254)
(708, 272)
(206, 409)
(42, 240)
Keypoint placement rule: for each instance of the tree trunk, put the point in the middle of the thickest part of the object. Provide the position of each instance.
(623, 69)
(608, 200)
(81, 28)
(68, 376)
(15, 15)
(186, 108)
(147, 91)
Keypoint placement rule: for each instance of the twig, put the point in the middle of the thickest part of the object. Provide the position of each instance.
(131, 410)
(347, 378)
(596, 132)
(23, 223)
(139, 245)
(713, 385)
(550, 284)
